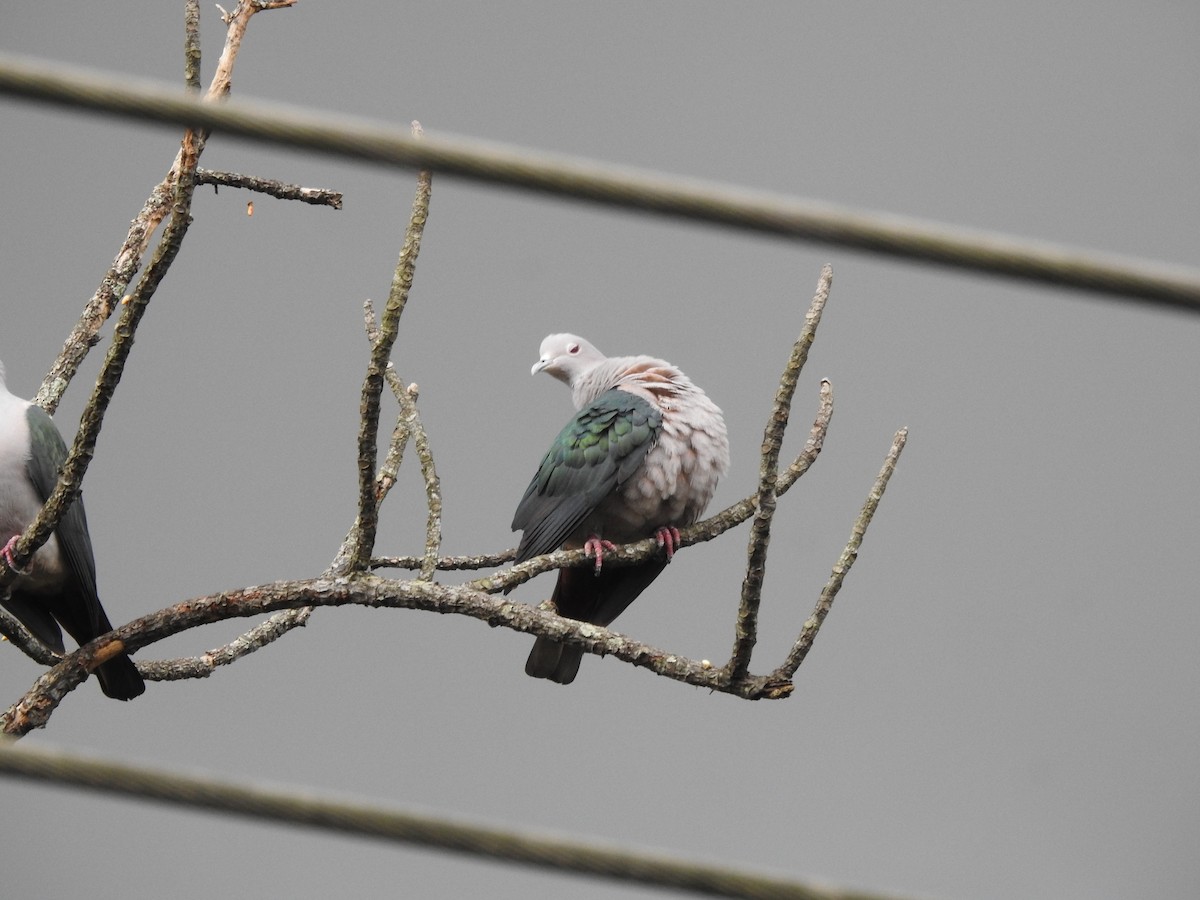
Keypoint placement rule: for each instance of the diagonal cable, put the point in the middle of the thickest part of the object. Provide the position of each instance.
(366, 820)
(608, 184)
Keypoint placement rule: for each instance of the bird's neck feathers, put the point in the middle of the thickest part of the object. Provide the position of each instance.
(8, 400)
(644, 376)
(13, 410)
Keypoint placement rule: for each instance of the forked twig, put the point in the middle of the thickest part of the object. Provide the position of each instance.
(746, 629)
(409, 425)
(364, 529)
(842, 567)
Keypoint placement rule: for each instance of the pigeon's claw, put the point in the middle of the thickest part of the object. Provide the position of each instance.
(668, 538)
(596, 546)
(7, 553)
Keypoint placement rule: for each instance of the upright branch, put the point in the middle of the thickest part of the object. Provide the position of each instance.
(842, 567)
(746, 630)
(389, 325)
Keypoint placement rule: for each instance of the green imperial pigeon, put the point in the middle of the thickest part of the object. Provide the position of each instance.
(59, 587)
(641, 458)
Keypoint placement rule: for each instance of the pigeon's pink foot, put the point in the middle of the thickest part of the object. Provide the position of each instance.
(596, 546)
(7, 553)
(668, 538)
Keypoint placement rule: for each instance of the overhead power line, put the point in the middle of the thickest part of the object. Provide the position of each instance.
(612, 185)
(347, 817)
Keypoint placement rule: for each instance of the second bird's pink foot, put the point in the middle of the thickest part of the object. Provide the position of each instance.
(7, 553)
(668, 538)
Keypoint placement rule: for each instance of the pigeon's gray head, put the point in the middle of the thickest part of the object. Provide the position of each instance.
(567, 357)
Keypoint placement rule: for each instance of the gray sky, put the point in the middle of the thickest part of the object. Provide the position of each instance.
(1004, 700)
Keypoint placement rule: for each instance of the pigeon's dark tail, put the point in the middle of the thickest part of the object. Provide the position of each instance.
(85, 621)
(119, 678)
(581, 594)
(552, 660)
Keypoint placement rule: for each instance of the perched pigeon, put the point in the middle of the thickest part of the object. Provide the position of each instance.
(642, 457)
(60, 582)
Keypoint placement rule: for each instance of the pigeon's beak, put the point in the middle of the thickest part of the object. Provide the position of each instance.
(540, 365)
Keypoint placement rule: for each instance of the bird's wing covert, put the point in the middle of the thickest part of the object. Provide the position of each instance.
(596, 453)
(46, 458)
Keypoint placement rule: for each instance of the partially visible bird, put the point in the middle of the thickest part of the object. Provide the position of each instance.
(59, 585)
(641, 458)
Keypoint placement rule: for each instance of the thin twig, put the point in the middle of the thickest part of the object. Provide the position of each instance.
(191, 46)
(266, 632)
(15, 632)
(814, 444)
(446, 563)
(278, 189)
(385, 479)
(746, 628)
(433, 488)
(842, 568)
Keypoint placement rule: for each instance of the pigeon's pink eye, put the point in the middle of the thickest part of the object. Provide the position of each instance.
(573, 348)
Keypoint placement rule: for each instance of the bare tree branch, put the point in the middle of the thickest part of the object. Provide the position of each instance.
(290, 601)
(266, 632)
